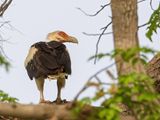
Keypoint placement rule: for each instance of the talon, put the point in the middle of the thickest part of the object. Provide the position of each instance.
(59, 101)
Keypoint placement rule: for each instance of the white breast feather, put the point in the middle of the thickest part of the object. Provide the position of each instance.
(55, 77)
(30, 55)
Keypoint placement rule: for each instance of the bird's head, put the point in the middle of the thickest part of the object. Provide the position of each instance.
(61, 36)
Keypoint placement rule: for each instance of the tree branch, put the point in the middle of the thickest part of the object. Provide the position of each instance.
(100, 36)
(92, 15)
(4, 6)
(151, 5)
(36, 111)
(96, 34)
(90, 78)
(141, 1)
(142, 25)
(49, 112)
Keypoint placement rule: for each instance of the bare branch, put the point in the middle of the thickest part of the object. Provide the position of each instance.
(110, 75)
(142, 25)
(90, 78)
(4, 6)
(5, 22)
(151, 5)
(96, 34)
(100, 36)
(141, 1)
(92, 15)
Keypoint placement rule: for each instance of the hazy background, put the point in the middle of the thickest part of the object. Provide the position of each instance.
(31, 20)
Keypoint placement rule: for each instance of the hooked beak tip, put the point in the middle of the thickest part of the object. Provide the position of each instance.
(73, 39)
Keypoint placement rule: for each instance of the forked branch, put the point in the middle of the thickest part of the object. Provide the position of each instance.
(92, 15)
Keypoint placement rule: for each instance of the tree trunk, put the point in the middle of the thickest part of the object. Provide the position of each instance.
(125, 28)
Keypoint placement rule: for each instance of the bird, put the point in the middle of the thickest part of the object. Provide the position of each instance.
(50, 59)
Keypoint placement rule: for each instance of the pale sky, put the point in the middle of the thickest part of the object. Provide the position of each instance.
(33, 19)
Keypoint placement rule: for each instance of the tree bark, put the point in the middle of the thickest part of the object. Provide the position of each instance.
(49, 112)
(36, 112)
(125, 28)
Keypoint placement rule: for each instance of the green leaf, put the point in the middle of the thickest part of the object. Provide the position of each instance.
(4, 62)
(153, 23)
(4, 97)
(98, 56)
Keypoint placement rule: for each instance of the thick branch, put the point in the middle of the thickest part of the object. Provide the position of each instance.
(49, 112)
(35, 111)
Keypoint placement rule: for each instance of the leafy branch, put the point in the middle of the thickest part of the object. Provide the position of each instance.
(153, 23)
(4, 97)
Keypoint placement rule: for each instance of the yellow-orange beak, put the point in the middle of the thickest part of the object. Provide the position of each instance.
(72, 39)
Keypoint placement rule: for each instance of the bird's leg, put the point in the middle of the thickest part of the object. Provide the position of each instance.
(40, 86)
(60, 85)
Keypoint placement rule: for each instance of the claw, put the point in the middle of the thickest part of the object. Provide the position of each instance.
(59, 101)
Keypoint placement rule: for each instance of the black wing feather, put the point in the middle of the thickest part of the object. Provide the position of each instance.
(49, 58)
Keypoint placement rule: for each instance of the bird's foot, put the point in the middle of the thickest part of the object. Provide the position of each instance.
(59, 101)
(45, 102)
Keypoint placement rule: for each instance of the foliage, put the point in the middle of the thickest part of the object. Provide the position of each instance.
(153, 23)
(4, 97)
(4, 62)
(138, 96)
(128, 55)
(133, 92)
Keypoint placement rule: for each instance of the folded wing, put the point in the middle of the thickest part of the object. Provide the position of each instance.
(47, 59)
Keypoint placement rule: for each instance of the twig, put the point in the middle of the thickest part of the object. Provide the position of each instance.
(141, 1)
(110, 75)
(96, 34)
(90, 78)
(100, 36)
(151, 5)
(5, 22)
(142, 25)
(100, 82)
(92, 15)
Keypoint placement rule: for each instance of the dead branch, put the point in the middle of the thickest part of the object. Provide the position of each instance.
(99, 38)
(4, 6)
(92, 15)
(96, 34)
